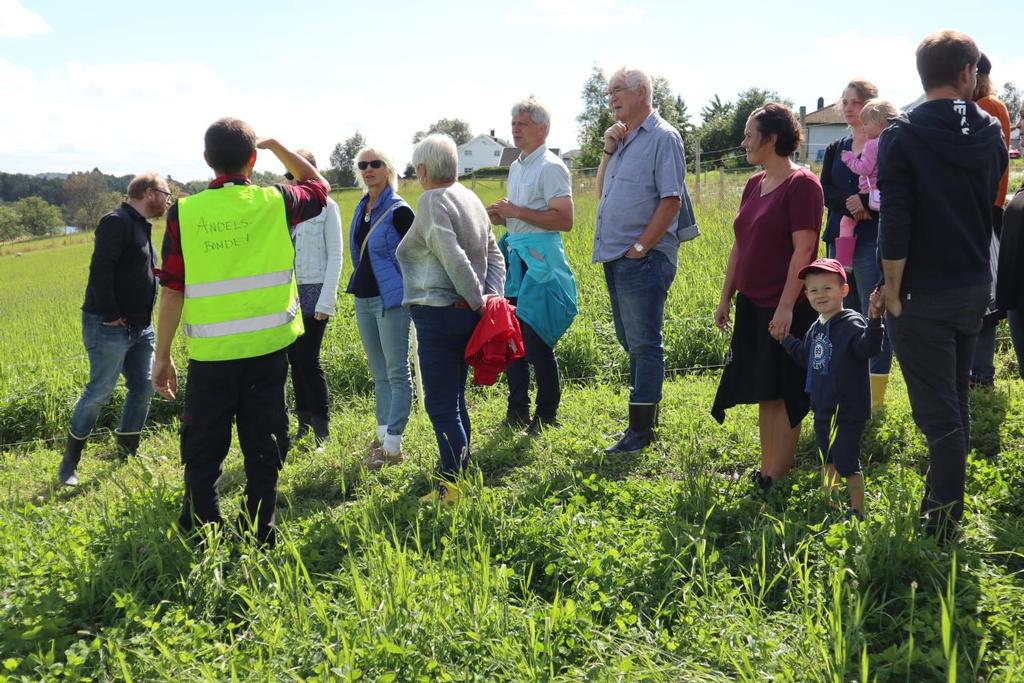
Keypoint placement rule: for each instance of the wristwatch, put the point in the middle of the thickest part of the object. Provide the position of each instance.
(638, 248)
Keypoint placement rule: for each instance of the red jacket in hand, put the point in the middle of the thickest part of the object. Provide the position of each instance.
(496, 341)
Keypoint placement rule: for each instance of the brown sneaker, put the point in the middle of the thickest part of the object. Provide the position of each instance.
(379, 457)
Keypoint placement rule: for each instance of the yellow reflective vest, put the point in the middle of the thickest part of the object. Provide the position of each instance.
(240, 295)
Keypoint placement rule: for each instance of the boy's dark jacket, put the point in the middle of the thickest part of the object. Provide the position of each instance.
(938, 173)
(844, 381)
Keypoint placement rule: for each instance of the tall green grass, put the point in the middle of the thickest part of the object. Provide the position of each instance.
(562, 564)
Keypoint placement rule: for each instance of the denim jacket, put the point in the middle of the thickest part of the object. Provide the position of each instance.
(318, 255)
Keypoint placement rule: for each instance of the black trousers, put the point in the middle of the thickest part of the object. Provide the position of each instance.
(934, 339)
(249, 392)
(545, 368)
(308, 379)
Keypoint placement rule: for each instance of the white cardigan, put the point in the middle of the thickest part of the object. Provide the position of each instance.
(318, 255)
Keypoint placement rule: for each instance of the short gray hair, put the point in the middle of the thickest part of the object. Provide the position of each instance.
(439, 157)
(392, 172)
(538, 112)
(634, 79)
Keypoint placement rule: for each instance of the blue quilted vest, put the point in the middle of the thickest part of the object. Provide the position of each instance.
(381, 247)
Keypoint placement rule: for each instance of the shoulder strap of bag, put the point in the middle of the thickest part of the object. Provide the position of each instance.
(366, 240)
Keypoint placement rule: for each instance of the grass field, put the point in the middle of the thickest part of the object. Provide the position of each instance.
(562, 564)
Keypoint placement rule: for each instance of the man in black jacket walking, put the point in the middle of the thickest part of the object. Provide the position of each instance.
(117, 326)
(938, 173)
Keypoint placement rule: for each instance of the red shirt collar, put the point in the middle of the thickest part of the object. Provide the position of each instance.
(229, 179)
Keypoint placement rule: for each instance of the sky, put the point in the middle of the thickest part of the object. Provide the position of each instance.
(129, 87)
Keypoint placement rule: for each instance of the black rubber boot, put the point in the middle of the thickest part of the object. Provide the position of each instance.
(127, 444)
(68, 474)
(640, 433)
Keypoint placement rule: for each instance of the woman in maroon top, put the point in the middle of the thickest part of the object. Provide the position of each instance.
(776, 234)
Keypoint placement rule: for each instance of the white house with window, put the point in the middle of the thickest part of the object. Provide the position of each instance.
(483, 151)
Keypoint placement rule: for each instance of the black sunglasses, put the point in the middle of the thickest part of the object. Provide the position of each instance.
(288, 176)
(376, 163)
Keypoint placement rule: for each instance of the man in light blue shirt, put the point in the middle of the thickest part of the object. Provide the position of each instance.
(640, 182)
(538, 208)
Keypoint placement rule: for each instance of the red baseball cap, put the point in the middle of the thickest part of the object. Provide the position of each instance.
(823, 265)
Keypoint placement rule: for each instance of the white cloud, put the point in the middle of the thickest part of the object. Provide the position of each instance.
(125, 118)
(17, 21)
(576, 14)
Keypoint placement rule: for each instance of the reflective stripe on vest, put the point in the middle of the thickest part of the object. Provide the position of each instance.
(241, 300)
(260, 322)
(238, 284)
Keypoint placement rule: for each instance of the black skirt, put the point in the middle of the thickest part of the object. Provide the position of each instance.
(757, 368)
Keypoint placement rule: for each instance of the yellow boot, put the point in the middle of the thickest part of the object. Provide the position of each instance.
(878, 384)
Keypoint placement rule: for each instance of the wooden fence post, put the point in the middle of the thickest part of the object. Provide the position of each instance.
(697, 184)
(721, 182)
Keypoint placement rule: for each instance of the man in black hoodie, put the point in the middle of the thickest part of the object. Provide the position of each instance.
(938, 173)
(117, 320)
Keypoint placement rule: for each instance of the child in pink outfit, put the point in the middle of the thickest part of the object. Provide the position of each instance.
(875, 116)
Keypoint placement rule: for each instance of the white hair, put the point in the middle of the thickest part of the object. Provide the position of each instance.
(392, 172)
(538, 112)
(439, 157)
(635, 78)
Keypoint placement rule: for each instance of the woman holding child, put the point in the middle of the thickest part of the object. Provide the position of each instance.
(776, 234)
(844, 200)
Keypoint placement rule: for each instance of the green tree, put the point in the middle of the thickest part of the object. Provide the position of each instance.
(267, 178)
(594, 120)
(342, 158)
(37, 217)
(746, 102)
(457, 129)
(410, 172)
(1013, 98)
(88, 214)
(10, 222)
(683, 125)
(714, 109)
(81, 190)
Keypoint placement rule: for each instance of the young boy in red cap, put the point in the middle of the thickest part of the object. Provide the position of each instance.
(835, 352)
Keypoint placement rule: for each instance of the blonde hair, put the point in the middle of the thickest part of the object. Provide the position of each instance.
(392, 173)
(877, 110)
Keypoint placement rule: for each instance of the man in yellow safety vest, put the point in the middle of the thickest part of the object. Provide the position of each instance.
(227, 278)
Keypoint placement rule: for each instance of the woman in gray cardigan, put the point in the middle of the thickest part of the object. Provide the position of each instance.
(317, 269)
(450, 264)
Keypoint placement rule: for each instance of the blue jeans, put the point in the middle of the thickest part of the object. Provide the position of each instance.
(866, 273)
(638, 289)
(114, 350)
(442, 333)
(385, 337)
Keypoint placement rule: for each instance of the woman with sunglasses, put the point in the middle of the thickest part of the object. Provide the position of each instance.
(317, 269)
(380, 222)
